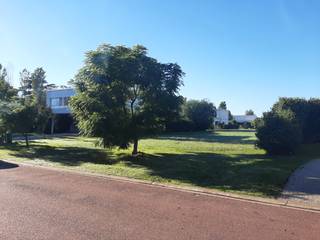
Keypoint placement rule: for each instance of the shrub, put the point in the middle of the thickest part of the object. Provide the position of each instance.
(181, 125)
(279, 133)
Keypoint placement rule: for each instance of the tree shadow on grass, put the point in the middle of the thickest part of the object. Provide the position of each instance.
(208, 137)
(255, 174)
(68, 156)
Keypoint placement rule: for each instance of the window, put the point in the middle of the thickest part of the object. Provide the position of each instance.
(54, 102)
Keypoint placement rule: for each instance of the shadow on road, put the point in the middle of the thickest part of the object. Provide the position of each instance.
(6, 165)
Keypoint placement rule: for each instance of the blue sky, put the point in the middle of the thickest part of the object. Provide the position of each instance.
(247, 53)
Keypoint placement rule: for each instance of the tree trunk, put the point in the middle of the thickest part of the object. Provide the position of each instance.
(135, 147)
(27, 139)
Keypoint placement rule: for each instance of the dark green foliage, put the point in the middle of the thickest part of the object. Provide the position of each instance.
(279, 133)
(249, 112)
(246, 125)
(63, 123)
(38, 82)
(223, 105)
(201, 113)
(307, 115)
(180, 125)
(123, 95)
(7, 92)
(25, 83)
(231, 125)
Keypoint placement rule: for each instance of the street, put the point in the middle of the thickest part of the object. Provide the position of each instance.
(39, 203)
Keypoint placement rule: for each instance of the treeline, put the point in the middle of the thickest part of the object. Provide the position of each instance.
(290, 123)
(194, 115)
(23, 110)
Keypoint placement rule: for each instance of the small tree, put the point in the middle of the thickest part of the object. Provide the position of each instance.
(21, 119)
(123, 95)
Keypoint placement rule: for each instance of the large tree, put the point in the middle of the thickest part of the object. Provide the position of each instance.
(123, 95)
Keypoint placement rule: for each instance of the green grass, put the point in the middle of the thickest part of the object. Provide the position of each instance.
(224, 160)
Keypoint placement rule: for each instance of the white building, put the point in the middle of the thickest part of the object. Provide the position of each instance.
(244, 118)
(57, 100)
(222, 116)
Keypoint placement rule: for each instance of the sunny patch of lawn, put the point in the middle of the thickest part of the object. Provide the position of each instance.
(224, 160)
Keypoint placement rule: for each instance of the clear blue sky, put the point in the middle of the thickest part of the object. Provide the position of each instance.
(247, 53)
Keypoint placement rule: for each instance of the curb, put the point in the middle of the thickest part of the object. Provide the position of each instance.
(195, 190)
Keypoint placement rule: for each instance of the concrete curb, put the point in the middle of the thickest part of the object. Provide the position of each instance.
(195, 190)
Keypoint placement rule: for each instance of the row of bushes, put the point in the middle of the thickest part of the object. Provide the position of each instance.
(290, 123)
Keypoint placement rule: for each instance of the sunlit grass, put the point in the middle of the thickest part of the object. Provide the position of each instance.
(224, 160)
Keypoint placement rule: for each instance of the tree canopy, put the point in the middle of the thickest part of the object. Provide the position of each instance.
(249, 112)
(201, 113)
(223, 105)
(123, 95)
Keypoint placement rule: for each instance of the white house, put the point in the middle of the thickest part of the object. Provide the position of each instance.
(222, 116)
(244, 118)
(57, 100)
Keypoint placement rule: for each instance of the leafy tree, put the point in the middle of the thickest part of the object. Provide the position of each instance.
(201, 113)
(249, 112)
(223, 105)
(123, 95)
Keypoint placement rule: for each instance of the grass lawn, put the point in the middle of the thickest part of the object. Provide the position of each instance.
(224, 160)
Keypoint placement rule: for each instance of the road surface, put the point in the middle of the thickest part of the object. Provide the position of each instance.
(38, 203)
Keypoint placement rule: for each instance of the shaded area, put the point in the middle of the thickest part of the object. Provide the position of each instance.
(217, 137)
(68, 156)
(7, 165)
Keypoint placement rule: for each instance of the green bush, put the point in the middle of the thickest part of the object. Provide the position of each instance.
(279, 133)
(180, 125)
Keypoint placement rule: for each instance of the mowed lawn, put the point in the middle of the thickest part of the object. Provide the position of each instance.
(224, 160)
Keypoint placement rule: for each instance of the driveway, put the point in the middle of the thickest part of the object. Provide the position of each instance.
(303, 186)
(38, 203)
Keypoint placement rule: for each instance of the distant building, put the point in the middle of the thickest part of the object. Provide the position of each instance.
(57, 100)
(244, 118)
(222, 117)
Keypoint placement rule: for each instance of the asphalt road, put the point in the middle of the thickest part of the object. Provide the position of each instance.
(37, 203)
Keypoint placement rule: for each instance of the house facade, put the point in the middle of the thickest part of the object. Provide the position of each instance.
(222, 117)
(58, 101)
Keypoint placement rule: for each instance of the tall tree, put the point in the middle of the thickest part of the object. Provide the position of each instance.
(38, 81)
(7, 92)
(123, 95)
(223, 105)
(25, 83)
